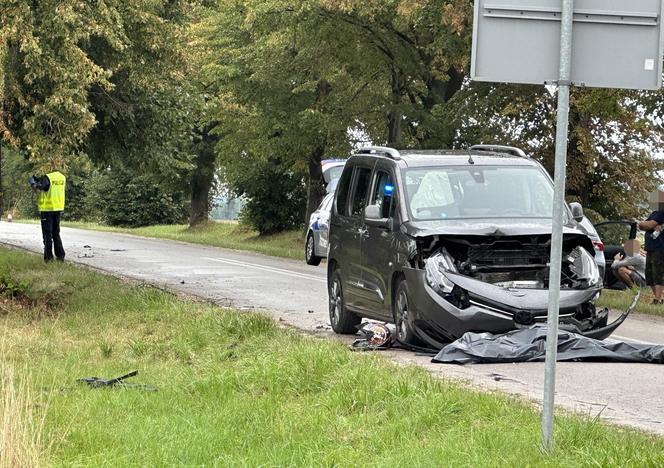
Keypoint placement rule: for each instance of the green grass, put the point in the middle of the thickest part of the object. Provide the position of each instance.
(229, 235)
(621, 300)
(237, 390)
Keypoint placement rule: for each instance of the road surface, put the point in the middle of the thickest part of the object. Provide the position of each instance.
(294, 293)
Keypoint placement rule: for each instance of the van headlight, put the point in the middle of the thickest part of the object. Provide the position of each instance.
(583, 266)
(436, 266)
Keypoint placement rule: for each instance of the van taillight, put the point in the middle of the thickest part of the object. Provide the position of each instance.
(599, 246)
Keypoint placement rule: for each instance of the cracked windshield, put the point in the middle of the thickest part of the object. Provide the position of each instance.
(437, 193)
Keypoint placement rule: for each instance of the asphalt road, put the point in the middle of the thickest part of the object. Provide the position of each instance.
(295, 293)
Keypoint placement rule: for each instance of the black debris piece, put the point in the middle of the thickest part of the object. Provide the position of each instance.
(97, 382)
(528, 345)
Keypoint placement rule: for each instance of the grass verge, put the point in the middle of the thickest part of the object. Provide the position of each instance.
(21, 421)
(236, 390)
(621, 300)
(228, 235)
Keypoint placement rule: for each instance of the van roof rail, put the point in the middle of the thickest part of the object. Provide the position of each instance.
(384, 150)
(513, 150)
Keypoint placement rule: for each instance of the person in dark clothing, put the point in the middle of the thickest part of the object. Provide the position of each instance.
(655, 253)
(51, 204)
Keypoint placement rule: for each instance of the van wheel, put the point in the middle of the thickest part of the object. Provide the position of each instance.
(342, 320)
(310, 251)
(402, 312)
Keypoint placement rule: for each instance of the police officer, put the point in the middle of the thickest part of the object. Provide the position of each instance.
(51, 203)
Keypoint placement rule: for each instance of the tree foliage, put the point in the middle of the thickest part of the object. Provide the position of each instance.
(123, 199)
(612, 138)
(169, 90)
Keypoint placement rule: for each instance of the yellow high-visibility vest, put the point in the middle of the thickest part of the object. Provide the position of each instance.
(54, 198)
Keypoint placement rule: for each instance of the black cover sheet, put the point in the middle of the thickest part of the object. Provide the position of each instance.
(528, 345)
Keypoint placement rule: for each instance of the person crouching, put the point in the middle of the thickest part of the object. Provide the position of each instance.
(631, 267)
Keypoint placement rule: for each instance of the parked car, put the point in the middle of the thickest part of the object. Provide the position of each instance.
(332, 169)
(315, 248)
(445, 242)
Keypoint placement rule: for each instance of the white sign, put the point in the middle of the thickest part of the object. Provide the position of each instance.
(617, 43)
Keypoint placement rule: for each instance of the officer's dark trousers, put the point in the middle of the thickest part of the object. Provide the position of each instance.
(50, 224)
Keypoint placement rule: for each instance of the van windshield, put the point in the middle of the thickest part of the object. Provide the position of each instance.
(463, 192)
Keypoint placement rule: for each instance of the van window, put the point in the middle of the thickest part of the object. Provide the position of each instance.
(362, 181)
(382, 194)
(342, 192)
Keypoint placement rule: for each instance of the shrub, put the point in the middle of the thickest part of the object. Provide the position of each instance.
(276, 195)
(122, 199)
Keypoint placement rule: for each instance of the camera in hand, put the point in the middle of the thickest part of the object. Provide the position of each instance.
(36, 183)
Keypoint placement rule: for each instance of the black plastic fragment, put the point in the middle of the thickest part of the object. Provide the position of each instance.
(97, 382)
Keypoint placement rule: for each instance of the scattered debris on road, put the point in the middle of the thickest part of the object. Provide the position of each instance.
(88, 253)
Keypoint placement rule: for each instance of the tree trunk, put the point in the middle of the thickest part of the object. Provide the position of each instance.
(315, 188)
(316, 191)
(202, 180)
(394, 115)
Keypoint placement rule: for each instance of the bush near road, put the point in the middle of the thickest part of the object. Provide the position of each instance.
(234, 389)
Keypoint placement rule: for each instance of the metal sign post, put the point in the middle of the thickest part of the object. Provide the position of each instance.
(617, 44)
(557, 228)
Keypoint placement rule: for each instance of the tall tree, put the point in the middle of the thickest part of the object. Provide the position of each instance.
(612, 138)
(281, 90)
(104, 79)
(47, 74)
(423, 48)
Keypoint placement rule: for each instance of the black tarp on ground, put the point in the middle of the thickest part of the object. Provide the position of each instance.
(528, 345)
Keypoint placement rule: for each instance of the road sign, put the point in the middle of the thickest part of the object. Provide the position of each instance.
(598, 43)
(617, 43)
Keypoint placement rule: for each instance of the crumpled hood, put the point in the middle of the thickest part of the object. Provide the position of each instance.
(524, 299)
(486, 227)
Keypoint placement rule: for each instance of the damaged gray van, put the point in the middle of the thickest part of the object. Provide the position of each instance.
(445, 242)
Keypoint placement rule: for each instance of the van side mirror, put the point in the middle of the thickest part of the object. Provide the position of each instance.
(577, 211)
(372, 216)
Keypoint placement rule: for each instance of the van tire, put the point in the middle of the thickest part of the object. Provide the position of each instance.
(401, 310)
(342, 320)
